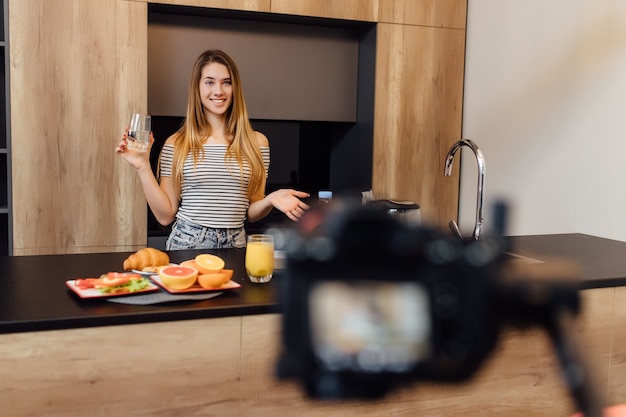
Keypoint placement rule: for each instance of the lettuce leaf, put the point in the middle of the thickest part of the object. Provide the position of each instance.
(134, 285)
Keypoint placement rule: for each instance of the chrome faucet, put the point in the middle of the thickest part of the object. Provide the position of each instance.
(480, 159)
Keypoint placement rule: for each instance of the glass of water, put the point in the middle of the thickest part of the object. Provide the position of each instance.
(139, 132)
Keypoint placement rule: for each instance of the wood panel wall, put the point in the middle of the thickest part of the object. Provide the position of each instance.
(366, 10)
(225, 367)
(79, 68)
(249, 5)
(434, 13)
(418, 105)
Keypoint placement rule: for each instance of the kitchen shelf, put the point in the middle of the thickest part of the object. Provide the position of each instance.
(6, 233)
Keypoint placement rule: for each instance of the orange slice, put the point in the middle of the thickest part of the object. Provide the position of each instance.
(208, 264)
(178, 277)
(216, 279)
(190, 263)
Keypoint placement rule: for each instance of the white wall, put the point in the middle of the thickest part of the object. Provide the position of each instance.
(545, 100)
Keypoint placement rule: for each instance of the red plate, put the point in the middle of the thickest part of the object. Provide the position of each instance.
(95, 293)
(195, 288)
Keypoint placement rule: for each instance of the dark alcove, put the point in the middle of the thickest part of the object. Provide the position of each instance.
(312, 148)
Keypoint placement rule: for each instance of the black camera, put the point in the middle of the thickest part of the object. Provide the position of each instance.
(370, 302)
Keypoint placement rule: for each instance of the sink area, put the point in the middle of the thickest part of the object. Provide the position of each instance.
(514, 257)
(447, 171)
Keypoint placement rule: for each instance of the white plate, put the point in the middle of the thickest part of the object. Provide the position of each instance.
(143, 273)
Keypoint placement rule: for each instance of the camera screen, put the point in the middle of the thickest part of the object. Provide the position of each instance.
(369, 326)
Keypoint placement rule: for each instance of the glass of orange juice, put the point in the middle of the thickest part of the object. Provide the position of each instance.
(260, 258)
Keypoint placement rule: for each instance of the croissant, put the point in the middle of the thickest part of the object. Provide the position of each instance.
(146, 257)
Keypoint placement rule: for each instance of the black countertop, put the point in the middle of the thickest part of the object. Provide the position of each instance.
(603, 261)
(33, 294)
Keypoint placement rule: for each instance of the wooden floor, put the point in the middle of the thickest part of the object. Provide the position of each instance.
(224, 367)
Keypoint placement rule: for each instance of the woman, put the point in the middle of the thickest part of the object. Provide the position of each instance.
(213, 169)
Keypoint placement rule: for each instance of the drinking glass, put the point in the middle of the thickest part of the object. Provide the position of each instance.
(139, 132)
(260, 258)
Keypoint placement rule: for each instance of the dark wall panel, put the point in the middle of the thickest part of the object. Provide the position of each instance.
(289, 71)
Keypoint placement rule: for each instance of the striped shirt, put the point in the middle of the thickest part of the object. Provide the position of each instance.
(212, 193)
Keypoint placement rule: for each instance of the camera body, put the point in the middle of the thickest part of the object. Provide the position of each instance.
(370, 303)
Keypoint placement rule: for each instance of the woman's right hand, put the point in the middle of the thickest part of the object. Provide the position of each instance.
(136, 159)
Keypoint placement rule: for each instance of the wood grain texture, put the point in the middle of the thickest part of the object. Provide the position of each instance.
(78, 70)
(365, 10)
(617, 365)
(264, 395)
(250, 5)
(520, 379)
(225, 367)
(418, 108)
(523, 376)
(596, 327)
(435, 13)
(160, 369)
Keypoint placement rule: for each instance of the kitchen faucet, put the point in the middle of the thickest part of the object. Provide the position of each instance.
(480, 159)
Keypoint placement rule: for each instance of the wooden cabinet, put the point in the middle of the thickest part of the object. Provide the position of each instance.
(226, 367)
(79, 70)
(250, 5)
(434, 13)
(6, 228)
(418, 103)
(365, 10)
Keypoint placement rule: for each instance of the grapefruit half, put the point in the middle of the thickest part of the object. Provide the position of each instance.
(178, 277)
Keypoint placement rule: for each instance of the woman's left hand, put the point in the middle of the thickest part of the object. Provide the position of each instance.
(288, 201)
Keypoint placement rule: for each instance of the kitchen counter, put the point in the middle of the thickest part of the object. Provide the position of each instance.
(603, 261)
(218, 356)
(33, 294)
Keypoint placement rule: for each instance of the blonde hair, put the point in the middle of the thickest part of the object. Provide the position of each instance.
(244, 147)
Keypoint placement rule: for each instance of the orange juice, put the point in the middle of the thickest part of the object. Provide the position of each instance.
(260, 258)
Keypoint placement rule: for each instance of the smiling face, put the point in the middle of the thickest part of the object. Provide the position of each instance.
(216, 89)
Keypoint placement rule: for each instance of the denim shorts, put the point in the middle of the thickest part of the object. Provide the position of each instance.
(188, 235)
